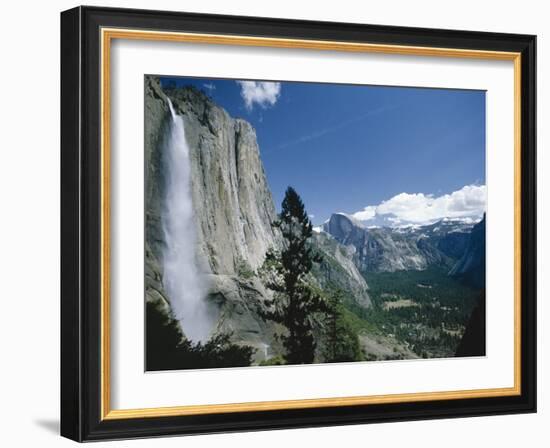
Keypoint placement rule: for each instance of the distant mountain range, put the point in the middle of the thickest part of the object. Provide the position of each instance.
(447, 243)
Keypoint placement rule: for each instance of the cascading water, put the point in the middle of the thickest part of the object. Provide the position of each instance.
(183, 281)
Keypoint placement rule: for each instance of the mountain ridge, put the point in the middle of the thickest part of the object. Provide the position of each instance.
(386, 249)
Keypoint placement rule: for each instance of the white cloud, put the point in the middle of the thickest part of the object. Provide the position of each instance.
(259, 92)
(210, 87)
(419, 208)
(366, 214)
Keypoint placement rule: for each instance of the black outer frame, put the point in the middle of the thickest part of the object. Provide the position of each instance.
(80, 223)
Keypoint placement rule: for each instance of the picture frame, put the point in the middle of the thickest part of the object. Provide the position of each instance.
(87, 35)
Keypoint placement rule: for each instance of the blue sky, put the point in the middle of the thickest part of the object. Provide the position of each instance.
(345, 148)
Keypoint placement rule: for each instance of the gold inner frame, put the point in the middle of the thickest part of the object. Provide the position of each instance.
(107, 35)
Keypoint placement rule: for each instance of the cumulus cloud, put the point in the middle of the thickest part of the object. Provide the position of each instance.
(262, 93)
(419, 208)
(367, 213)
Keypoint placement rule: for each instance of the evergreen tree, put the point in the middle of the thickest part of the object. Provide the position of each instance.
(333, 315)
(168, 349)
(342, 344)
(286, 272)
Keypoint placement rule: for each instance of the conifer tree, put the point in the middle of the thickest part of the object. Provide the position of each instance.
(287, 274)
(341, 342)
(331, 323)
(168, 349)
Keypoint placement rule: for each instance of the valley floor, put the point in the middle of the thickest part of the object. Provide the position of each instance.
(414, 314)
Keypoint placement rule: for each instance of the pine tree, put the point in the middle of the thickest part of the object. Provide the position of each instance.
(168, 349)
(331, 323)
(287, 274)
(342, 344)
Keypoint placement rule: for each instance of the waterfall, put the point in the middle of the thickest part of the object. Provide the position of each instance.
(183, 281)
(266, 350)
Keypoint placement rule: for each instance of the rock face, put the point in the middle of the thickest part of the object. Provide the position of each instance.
(156, 110)
(386, 249)
(236, 208)
(470, 268)
(337, 269)
(454, 244)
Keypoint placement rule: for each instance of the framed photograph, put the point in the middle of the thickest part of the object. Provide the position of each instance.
(275, 224)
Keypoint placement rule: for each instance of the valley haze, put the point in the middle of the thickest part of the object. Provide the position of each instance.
(298, 223)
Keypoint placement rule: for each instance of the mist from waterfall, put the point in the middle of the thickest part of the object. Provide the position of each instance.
(183, 281)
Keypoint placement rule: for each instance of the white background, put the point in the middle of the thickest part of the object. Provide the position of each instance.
(29, 176)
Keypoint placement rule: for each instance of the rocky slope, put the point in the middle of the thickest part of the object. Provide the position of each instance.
(470, 268)
(338, 270)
